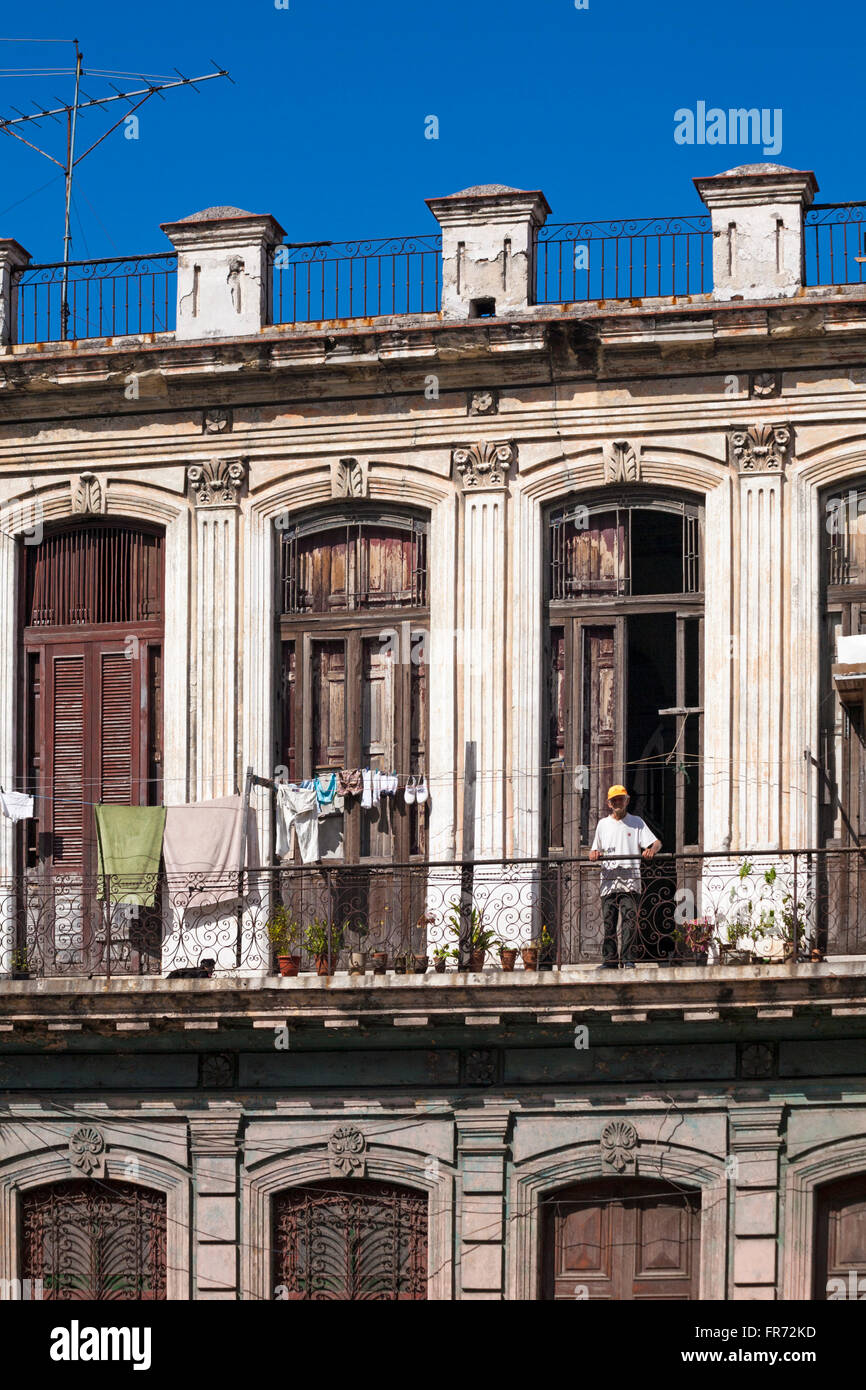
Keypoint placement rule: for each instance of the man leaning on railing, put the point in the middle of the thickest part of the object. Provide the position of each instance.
(621, 837)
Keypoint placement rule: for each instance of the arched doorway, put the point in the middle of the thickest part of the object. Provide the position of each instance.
(350, 1240)
(91, 696)
(840, 1239)
(88, 1239)
(621, 1238)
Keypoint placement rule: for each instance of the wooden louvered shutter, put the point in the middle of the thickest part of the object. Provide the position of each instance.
(116, 729)
(68, 760)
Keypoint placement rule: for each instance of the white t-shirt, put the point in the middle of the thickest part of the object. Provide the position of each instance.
(627, 836)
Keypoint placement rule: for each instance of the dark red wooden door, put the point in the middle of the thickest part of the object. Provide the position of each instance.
(840, 1245)
(621, 1239)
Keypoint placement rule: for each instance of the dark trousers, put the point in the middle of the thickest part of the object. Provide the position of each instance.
(614, 905)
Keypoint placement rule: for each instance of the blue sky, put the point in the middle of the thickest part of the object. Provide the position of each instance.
(325, 125)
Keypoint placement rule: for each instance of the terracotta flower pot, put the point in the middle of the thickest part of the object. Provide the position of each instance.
(529, 956)
(507, 958)
(380, 962)
(476, 960)
(289, 965)
(439, 964)
(817, 955)
(419, 965)
(399, 965)
(326, 965)
(358, 963)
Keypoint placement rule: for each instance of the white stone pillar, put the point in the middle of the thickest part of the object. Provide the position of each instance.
(758, 214)
(215, 487)
(214, 1162)
(755, 1142)
(759, 452)
(488, 249)
(484, 468)
(12, 257)
(223, 271)
(8, 704)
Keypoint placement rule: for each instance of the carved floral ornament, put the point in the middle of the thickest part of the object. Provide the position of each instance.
(347, 1153)
(87, 1150)
(486, 464)
(216, 483)
(349, 478)
(87, 494)
(761, 448)
(618, 1142)
(621, 462)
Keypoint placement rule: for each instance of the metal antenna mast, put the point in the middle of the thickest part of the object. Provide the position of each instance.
(70, 110)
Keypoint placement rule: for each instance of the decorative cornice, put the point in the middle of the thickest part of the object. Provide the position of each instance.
(761, 448)
(217, 483)
(484, 465)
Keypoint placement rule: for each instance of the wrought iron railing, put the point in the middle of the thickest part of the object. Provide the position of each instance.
(108, 298)
(835, 249)
(356, 279)
(780, 905)
(628, 258)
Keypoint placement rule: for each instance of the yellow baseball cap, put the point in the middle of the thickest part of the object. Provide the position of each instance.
(616, 791)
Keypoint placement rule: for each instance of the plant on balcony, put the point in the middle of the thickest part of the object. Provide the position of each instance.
(20, 964)
(477, 937)
(507, 956)
(544, 947)
(764, 913)
(284, 933)
(324, 942)
(358, 958)
(694, 936)
(441, 957)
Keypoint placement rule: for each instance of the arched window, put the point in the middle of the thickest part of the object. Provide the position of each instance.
(95, 1240)
(350, 1240)
(354, 624)
(840, 1238)
(621, 1238)
(624, 598)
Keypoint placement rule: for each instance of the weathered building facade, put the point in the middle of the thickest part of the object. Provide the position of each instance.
(513, 515)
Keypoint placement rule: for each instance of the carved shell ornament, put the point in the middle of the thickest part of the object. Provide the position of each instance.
(618, 1140)
(347, 1152)
(85, 1148)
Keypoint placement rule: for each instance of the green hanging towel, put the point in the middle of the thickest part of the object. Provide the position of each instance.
(129, 841)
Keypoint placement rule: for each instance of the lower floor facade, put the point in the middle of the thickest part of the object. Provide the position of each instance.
(622, 1158)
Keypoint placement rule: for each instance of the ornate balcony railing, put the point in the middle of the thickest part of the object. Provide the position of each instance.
(778, 906)
(356, 279)
(627, 258)
(835, 249)
(97, 299)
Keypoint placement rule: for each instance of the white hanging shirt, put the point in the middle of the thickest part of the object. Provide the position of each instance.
(16, 806)
(627, 836)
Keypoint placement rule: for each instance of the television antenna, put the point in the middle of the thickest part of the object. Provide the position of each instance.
(133, 99)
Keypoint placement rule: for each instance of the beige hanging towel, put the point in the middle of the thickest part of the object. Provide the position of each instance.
(202, 848)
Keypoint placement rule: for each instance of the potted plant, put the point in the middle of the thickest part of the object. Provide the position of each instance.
(284, 933)
(420, 960)
(478, 938)
(357, 959)
(529, 956)
(441, 956)
(419, 964)
(696, 936)
(378, 954)
(400, 963)
(507, 956)
(20, 964)
(323, 942)
(732, 953)
(546, 949)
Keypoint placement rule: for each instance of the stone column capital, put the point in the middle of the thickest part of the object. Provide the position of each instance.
(217, 482)
(485, 465)
(761, 448)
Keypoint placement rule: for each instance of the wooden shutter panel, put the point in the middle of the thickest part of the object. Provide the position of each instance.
(68, 790)
(116, 727)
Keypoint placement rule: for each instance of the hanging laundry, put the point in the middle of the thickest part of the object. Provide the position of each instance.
(16, 806)
(367, 788)
(297, 815)
(206, 838)
(326, 790)
(377, 786)
(350, 781)
(129, 843)
(333, 808)
(388, 784)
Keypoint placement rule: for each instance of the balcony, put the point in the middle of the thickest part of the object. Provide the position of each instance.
(526, 919)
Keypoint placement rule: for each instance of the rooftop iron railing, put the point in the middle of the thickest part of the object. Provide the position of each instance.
(109, 298)
(356, 279)
(628, 258)
(779, 905)
(835, 249)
